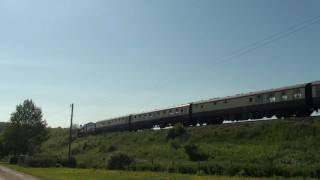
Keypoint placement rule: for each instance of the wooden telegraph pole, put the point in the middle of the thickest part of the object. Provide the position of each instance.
(70, 133)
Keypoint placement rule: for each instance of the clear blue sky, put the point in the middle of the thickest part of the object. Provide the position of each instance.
(117, 57)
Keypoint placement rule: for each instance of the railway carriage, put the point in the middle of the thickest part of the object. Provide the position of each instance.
(114, 124)
(160, 117)
(298, 100)
(282, 102)
(316, 94)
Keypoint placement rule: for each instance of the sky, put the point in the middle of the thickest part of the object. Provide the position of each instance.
(116, 57)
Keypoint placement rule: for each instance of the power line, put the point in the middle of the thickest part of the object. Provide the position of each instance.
(270, 39)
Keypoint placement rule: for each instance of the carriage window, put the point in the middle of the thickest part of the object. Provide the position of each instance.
(215, 103)
(250, 99)
(177, 110)
(259, 99)
(201, 106)
(272, 98)
(284, 96)
(297, 94)
(182, 110)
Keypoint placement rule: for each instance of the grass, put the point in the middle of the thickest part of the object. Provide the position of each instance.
(88, 174)
(288, 148)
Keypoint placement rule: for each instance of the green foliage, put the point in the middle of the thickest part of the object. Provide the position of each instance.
(264, 148)
(13, 159)
(177, 131)
(68, 163)
(38, 161)
(119, 161)
(107, 149)
(2, 126)
(26, 130)
(111, 148)
(194, 154)
(85, 174)
(174, 144)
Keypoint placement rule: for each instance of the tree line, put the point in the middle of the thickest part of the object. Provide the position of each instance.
(25, 132)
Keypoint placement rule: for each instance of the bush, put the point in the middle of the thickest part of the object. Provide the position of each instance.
(177, 131)
(66, 163)
(13, 160)
(187, 169)
(37, 161)
(119, 161)
(145, 166)
(107, 149)
(211, 168)
(194, 154)
(111, 148)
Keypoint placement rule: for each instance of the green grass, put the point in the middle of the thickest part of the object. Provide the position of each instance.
(279, 147)
(87, 174)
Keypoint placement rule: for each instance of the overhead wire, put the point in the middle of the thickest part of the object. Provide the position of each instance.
(268, 40)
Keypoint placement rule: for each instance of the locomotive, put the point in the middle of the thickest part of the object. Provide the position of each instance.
(290, 101)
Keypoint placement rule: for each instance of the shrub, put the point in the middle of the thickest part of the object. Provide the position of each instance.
(177, 131)
(111, 148)
(38, 161)
(145, 166)
(66, 163)
(107, 149)
(119, 161)
(187, 169)
(174, 144)
(211, 168)
(13, 160)
(194, 154)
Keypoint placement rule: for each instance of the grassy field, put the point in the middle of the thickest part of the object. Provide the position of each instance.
(288, 148)
(87, 174)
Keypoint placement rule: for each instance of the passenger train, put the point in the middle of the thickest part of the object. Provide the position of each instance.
(291, 101)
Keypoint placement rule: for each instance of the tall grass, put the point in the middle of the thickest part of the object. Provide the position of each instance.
(266, 148)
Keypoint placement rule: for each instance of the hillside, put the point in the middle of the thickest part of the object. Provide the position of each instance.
(265, 148)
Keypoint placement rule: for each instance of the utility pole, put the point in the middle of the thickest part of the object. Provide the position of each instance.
(70, 133)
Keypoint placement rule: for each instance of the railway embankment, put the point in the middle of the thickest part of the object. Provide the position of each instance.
(286, 147)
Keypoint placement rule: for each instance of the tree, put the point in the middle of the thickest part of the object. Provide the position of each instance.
(26, 130)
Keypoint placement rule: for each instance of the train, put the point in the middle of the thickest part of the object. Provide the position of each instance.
(299, 100)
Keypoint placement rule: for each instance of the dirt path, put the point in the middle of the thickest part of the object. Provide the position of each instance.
(9, 174)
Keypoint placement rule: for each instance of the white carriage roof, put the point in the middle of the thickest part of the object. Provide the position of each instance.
(144, 112)
(251, 93)
(316, 82)
(162, 109)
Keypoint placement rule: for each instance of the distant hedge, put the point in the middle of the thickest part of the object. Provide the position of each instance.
(37, 161)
